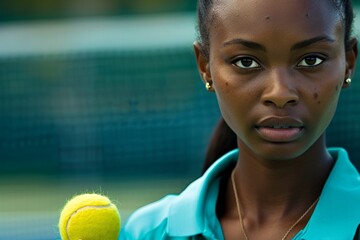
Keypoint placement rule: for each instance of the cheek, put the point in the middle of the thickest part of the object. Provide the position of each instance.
(233, 99)
(316, 97)
(324, 102)
(326, 95)
(327, 86)
(227, 97)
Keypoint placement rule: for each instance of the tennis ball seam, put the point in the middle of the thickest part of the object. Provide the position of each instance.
(83, 208)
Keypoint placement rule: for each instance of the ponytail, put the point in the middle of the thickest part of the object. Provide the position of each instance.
(222, 141)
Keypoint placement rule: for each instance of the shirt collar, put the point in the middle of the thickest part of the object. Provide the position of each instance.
(337, 214)
(186, 213)
(339, 199)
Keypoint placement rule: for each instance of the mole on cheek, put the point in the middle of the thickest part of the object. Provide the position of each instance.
(267, 17)
(316, 95)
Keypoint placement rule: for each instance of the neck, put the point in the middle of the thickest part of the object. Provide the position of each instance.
(277, 187)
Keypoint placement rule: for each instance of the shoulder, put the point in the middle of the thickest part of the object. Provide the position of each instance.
(173, 215)
(177, 216)
(148, 220)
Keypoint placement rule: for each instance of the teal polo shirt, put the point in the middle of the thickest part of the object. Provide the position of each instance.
(192, 213)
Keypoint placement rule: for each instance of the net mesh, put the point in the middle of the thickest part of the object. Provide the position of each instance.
(113, 112)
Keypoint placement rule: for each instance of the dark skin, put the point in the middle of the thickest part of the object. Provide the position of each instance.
(277, 74)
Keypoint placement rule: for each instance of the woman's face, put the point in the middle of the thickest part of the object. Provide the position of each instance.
(277, 69)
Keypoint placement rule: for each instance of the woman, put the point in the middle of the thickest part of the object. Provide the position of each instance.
(277, 69)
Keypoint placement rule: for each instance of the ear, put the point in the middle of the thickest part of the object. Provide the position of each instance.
(351, 56)
(203, 64)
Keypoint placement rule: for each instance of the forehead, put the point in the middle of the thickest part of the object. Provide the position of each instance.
(253, 17)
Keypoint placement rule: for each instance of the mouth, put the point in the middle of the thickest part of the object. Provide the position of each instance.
(279, 126)
(279, 129)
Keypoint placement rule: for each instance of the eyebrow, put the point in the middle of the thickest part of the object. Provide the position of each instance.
(299, 45)
(246, 43)
(311, 41)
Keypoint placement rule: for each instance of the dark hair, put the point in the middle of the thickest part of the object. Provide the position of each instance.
(224, 139)
(205, 19)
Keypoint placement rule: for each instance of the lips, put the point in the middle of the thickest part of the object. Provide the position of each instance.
(279, 129)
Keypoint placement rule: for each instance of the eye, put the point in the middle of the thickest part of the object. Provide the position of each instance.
(246, 62)
(311, 61)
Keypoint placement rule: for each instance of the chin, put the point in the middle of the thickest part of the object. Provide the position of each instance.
(280, 151)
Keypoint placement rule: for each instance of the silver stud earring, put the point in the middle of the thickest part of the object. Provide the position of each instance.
(348, 81)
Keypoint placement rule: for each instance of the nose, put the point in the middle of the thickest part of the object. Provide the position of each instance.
(280, 89)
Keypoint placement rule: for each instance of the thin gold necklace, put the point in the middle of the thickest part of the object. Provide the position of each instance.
(240, 215)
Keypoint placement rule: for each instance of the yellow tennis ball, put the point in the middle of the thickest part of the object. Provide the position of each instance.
(89, 217)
